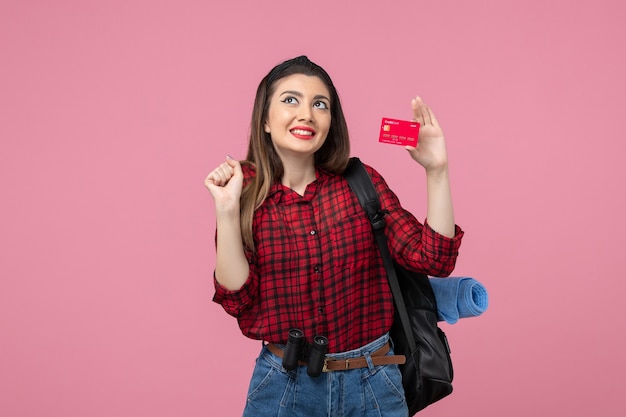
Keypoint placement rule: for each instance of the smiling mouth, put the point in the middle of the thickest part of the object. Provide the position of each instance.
(302, 132)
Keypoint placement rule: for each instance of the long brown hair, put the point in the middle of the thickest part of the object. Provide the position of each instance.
(333, 156)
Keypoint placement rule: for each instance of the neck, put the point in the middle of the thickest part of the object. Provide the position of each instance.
(298, 174)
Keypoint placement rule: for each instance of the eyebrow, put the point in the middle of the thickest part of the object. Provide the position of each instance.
(299, 94)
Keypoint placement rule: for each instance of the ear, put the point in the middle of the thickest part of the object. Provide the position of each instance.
(266, 127)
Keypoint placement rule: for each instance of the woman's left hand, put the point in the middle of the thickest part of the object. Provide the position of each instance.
(430, 151)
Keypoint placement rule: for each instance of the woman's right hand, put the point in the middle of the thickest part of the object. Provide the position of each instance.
(225, 184)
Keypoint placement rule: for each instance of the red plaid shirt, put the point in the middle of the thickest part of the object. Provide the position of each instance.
(318, 268)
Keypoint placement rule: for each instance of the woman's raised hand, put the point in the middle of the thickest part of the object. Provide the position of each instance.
(225, 185)
(430, 151)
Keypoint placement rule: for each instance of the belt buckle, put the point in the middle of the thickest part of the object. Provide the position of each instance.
(325, 367)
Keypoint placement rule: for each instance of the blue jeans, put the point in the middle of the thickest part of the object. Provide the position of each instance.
(375, 391)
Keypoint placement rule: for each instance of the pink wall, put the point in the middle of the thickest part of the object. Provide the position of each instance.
(112, 113)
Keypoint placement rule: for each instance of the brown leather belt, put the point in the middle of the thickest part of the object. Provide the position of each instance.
(378, 358)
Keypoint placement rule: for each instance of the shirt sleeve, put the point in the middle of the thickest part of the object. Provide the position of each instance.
(414, 245)
(235, 302)
(442, 251)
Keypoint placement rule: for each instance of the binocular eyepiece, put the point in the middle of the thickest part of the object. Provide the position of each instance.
(293, 349)
(317, 356)
(297, 348)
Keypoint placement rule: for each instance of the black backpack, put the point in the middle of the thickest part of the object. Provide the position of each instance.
(427, 374)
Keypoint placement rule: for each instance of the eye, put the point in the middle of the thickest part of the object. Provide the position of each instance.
(290, 100)
(320, 105)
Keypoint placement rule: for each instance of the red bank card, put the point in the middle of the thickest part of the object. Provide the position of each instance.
(398, 132)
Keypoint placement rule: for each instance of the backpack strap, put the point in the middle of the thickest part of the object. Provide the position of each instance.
(361, 184)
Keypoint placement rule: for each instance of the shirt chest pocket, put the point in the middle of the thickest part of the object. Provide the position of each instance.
(351, 240)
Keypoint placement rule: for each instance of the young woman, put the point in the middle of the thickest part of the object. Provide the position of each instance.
(295, 250)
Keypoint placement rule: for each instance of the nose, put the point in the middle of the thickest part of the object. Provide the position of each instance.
(305, 114)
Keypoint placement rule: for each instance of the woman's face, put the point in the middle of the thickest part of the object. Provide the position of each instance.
(298, 118)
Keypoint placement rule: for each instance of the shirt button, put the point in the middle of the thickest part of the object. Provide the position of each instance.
(313, 232)
(316, 268)
(320, 310)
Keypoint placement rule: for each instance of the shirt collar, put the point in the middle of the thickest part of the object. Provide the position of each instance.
(278, 192)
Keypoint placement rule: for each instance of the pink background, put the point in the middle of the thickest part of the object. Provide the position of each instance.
(112, 113)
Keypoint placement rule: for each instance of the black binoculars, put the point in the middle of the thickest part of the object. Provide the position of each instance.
(297, 348)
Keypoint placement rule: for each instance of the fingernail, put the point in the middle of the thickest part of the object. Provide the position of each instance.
(229, 157)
